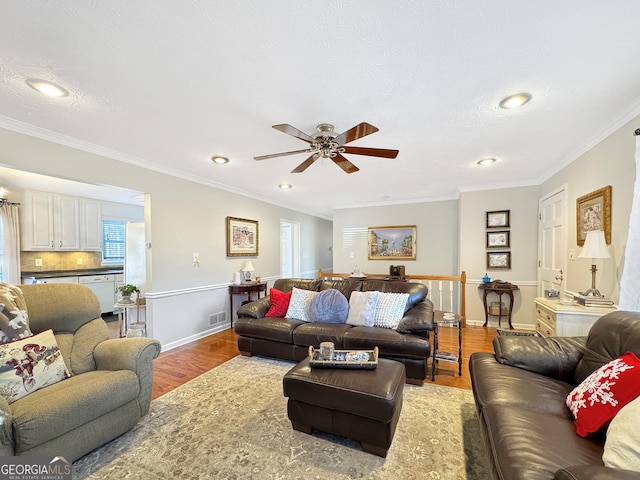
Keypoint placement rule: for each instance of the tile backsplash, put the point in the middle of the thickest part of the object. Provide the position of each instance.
(59, 261)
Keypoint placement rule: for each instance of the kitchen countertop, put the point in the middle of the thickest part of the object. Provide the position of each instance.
(72, 273)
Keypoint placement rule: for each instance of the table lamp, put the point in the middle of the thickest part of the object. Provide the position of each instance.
(595, 246)
(247, 269)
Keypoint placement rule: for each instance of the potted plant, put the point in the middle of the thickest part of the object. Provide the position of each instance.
(126, 291)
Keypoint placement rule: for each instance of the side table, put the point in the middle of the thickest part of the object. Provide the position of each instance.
(245, 288)
(124, 314)
(439, 355)
(499, 289)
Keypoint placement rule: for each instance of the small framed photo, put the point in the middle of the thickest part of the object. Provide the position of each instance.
(242, 237)
(499, 260)
(498, 219)
(499, 239)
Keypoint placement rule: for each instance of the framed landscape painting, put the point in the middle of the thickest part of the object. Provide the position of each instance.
(242, 237)
(392, 243)
(593, 212)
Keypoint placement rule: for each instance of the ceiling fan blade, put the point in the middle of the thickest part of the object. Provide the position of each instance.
(372, 152)
(283, 154)
(344, 164)
(289, 130)
(359, 131)
(304, 165)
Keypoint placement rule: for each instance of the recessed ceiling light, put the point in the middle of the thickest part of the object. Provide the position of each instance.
(515, 101)
(220, 160)
(284, 186)
(486, 161)
(47, 88)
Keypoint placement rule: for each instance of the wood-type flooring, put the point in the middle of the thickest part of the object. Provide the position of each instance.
(181, 364)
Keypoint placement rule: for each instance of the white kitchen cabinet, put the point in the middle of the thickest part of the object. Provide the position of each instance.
(61, 222)
(90, 224)
(52, 222)
(66, 217)
(38, 224)
(556, 320)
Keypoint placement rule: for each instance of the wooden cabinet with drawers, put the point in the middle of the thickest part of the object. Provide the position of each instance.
(554, 319)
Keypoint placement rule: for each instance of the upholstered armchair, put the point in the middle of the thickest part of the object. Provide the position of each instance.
(108, 391)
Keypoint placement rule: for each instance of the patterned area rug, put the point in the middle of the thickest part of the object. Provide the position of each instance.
(231, 423)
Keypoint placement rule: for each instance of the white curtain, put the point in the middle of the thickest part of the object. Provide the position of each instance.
(630, 281)
(10, 242)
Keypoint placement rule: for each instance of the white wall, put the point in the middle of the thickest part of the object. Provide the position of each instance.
(610, 162)
(181, 217)
(436, 237)
(522, 203)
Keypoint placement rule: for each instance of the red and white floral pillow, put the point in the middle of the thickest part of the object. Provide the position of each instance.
(602, 394)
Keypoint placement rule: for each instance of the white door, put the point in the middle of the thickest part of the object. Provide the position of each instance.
(553, 225)
(289, 249)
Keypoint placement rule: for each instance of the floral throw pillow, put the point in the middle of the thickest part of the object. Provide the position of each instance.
(14, 323)
(602, 394)
(279, 303)
(30, 364)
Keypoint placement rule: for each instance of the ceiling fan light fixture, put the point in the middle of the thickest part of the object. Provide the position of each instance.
(220, 160)
(484, 162)
(285, 186)
(47, 88)
(515, 101)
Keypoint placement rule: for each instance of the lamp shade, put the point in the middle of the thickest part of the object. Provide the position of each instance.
(595, 246)
(248, 266)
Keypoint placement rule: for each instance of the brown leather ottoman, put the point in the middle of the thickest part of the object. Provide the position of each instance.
(363, 405)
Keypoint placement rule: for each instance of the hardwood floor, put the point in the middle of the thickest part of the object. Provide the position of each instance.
(179, 365)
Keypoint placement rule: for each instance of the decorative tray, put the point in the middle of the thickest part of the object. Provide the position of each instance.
(355, 359)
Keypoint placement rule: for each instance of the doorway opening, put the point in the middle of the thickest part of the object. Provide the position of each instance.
(289, 249)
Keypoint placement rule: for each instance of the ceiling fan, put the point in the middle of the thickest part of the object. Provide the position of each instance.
(325, 143)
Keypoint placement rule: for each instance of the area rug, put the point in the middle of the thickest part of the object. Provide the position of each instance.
(231, 423)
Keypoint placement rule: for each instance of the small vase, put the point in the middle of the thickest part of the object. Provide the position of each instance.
(126, 299)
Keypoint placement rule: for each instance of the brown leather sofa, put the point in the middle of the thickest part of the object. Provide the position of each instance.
(289, 339)
(520, 396)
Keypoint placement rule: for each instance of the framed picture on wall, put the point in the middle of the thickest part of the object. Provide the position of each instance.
(498, 239)
(499, 260)
(392, 243)
(593, 212)
(242, 237)
(498, 219)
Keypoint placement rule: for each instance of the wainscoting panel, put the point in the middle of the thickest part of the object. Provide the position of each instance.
(178, 317)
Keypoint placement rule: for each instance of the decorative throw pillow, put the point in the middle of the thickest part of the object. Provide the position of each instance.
(30, 364)
(390, 309)
(362, 308)
(14, 323)
(329, 306)
(622, 447)
(602, 394)
(299, 304)
(279, 303)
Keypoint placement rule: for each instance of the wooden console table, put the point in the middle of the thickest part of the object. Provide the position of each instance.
(499, 289)
(245, 288)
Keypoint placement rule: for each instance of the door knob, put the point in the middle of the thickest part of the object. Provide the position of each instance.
(560, 277)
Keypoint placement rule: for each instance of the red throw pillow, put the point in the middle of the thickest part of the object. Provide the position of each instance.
(602, 394)
(279, 303)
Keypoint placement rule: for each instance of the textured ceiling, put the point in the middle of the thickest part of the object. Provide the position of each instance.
(169, 84)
